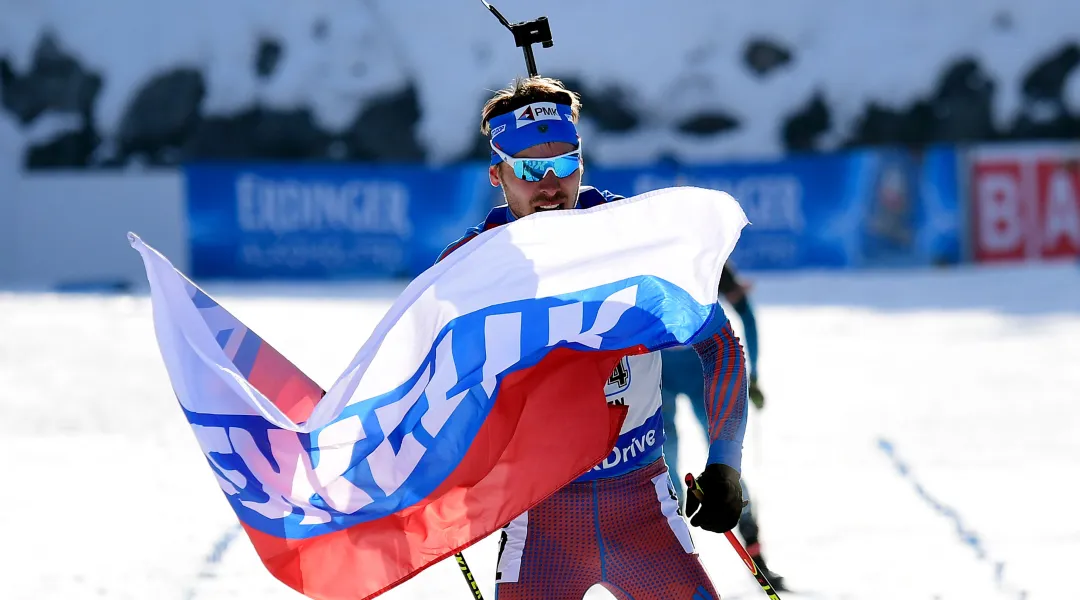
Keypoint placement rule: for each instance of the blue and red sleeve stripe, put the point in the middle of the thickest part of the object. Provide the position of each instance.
(724, 368)
(456, 245)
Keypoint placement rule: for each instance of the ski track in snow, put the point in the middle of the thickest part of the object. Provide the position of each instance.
(966, 535)
(213, 559)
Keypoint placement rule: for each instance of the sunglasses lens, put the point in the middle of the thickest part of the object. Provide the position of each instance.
(566, 165)
(531, 170)
(535, 169)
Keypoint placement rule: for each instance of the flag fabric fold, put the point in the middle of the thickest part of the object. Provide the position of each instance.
(479, 394)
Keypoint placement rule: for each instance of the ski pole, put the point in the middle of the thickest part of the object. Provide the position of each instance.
(467, 572)
(766, 586)
(750, 564)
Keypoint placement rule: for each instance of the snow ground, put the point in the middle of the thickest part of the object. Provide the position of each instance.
(970, 374)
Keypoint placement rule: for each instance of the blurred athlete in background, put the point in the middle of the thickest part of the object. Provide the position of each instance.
(682, 375)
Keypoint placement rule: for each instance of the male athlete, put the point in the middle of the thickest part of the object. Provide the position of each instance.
(619, 525)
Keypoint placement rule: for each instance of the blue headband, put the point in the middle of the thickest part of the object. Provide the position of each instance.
(536, 123)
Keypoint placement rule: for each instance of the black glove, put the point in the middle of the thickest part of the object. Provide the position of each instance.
(720, 502)
(756, 396)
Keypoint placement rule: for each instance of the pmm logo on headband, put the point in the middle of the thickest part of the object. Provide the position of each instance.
(537, 111)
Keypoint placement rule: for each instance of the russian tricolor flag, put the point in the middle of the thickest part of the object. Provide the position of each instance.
(479, 394)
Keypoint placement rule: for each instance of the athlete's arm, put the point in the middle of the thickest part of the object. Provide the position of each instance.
(724, 369)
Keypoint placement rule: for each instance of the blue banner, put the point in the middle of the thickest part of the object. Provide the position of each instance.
(328, 221)
(866, 208)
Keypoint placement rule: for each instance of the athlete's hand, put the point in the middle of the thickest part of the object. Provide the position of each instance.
(740, 291)
(714, 500)
(755, 394)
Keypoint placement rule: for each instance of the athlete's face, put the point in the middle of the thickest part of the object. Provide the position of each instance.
(550, 193)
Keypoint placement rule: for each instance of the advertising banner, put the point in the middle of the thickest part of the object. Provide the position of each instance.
(867, 208)
(1025, 202)
(296, 221)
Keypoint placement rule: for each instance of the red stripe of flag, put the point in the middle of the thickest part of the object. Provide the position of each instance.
(550, 424)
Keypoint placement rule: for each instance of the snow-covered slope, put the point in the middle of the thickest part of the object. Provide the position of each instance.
(970, 374)
(664, 64)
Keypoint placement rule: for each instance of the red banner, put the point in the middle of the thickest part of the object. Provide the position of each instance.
(1025, 202)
